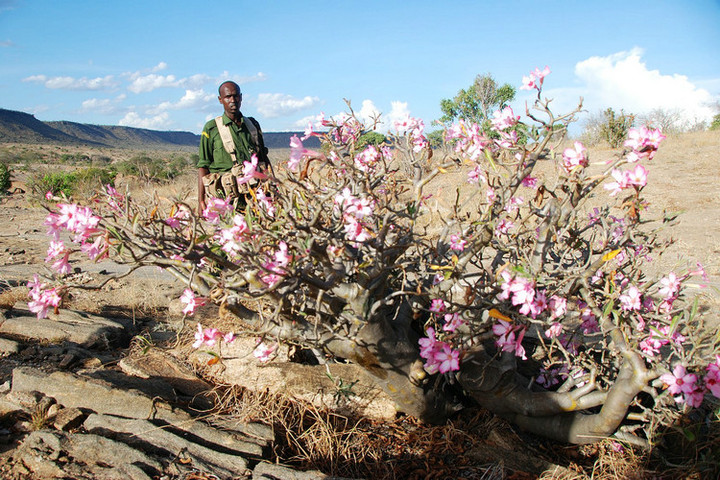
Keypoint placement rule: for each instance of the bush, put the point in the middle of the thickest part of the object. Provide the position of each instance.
(153, 169)
(510, 292)
(73, 183)
(5, 178)
(615, 127)
(715, 124)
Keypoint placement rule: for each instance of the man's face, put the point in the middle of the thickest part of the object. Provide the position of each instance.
(230, 98)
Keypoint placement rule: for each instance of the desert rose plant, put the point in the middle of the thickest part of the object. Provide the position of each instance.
(532, 295)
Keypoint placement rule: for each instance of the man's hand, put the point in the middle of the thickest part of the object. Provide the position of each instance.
(202, 171)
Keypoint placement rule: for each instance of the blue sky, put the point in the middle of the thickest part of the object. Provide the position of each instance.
(157, 64)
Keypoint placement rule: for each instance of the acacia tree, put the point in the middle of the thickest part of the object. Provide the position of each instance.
(524, 297)
(477, 102)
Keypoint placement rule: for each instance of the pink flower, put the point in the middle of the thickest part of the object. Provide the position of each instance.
(250, 171)
(621, 182)
(535, 79)
(41, 300)
(216, 208)
(49, 195)
(457, 243)
(504, 226)
(557, 306)
(297, 153)
(712, 378)
(437, 306)
(631, 300)
(574, 158)
(637, 176)
(207, 336)
(503, 119)
(670, 286)
(264, 352)
(427, 344)
(679, 381)
(191, 301)
(452, 322)
(554, 330)
(529, 182)
(643, 141)
(447, 359)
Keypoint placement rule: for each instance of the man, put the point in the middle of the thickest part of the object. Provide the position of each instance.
(225, 144)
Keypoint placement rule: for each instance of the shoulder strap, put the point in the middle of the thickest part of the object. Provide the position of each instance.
(250, 123)
(226, 138)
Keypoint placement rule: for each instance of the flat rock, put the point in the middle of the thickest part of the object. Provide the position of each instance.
(87, 330)
(51, 454)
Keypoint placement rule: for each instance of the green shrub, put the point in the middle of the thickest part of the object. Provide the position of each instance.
(5, 174)
(59, 183)
(615, 127)
(69, 184)
(715, 124)
(152, 169)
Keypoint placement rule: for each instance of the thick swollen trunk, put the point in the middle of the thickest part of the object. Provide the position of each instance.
(389, 357)
(554, 415)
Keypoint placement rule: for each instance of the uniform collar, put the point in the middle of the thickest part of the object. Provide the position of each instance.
(227, 121)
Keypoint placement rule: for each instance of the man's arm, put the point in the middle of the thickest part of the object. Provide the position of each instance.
(202, 171)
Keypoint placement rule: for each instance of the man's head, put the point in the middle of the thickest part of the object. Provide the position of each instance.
(231, 98)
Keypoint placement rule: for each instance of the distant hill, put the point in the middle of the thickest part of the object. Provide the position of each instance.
(20, 127)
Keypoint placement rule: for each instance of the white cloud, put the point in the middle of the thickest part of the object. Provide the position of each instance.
(272, 105)
(623, 81)
(104, 106)
(148, 83)
(157, 122)
(70, 83)
(159, 67)
(399, 111)
(193, 99)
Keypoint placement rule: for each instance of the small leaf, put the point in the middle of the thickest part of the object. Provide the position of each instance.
(610, 255)
(495, 313)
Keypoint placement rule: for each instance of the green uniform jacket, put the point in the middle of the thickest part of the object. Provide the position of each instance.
(212, 152)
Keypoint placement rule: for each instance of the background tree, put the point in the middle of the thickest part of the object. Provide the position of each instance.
(477, 102)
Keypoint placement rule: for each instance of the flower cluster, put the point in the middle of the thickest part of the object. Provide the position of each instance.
(439, 356)
(275, 265)
(354, 211)
(535, 79)
(414, 128)
(41, 299)
(210, 337)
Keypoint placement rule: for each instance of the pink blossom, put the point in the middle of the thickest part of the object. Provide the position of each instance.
(427, 344)
(415, 128)
(507, 339)
(447, 359)
(367, 160)
(355, 231)
(40, 299)
(96, 249)
(557, 306)
(49, 195)
(216, 208)
(529, 182)
(670, 286)
(475, 175)
(504, 226)
(490, 195)
(574, 158)
(535, 79)
(452, 322)
(631, 300)
(265, 202)
(264, 352)
(503, 119)
(637, 176)
(679, 381)
(437, 305)
(644, 141)
(178, 218)
(620, 183)
(191, 301)
(298, 152)
(207, 336)
(712, 378)
(554, 330)
(457, 243)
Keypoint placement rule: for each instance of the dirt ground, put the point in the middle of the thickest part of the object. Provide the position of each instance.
(683, 177)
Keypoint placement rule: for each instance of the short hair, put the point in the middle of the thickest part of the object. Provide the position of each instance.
(229, 81)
